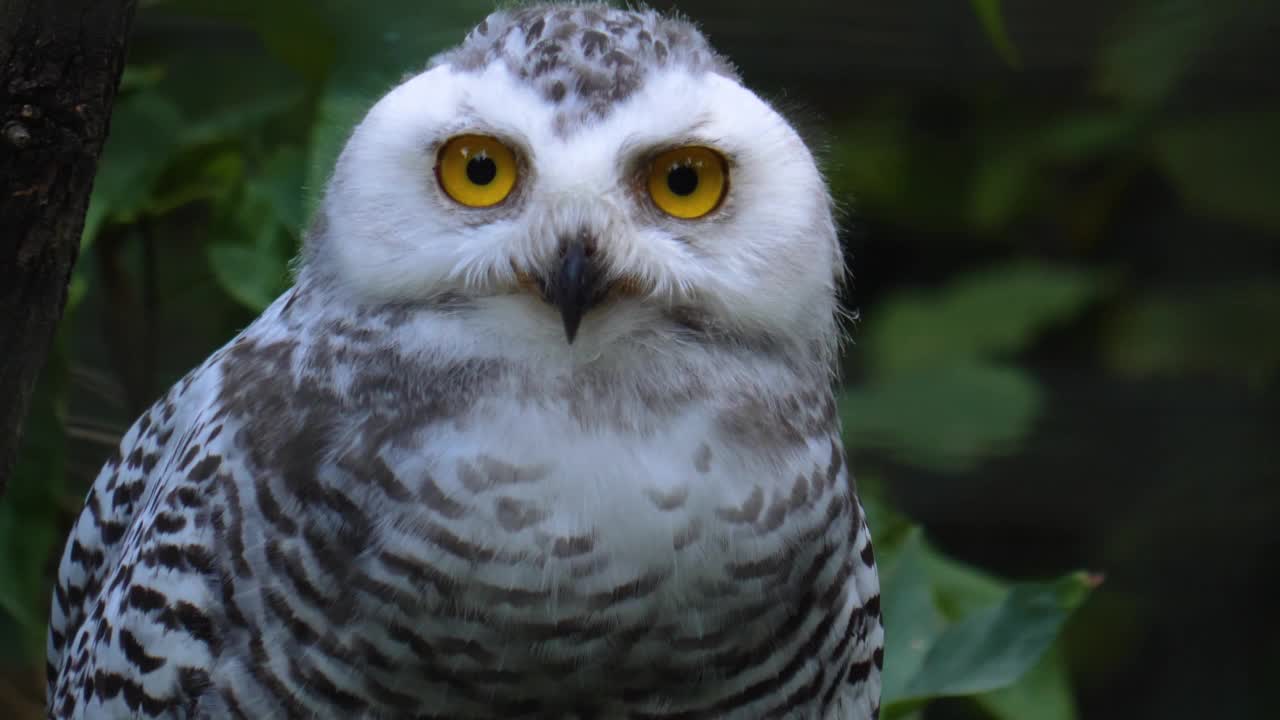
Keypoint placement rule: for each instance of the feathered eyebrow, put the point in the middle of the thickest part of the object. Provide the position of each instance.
(693, 133)
(469, 119)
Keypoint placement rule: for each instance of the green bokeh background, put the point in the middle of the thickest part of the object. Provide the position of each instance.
(1061, 399)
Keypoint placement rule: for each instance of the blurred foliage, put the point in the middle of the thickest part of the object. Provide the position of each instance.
(937, 392)
(233, 111)
(992, 19)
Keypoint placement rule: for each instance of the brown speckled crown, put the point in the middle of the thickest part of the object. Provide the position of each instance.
(586, 58)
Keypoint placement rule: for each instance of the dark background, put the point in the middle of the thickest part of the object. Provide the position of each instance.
(1063, 230)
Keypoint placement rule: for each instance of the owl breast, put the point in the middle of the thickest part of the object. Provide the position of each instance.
(537, 557)
(454, 539)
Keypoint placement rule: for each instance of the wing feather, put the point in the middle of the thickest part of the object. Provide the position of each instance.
(99, 536)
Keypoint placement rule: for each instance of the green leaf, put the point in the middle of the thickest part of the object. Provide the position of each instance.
(77, 288)
(993, 648)
(1158, 45)
(1000, 186)
(954, 631)
(200, 100)
(948, 420)
(264, 216)
(253, 276)
(1214, 331)
(933, 398)
(145, 132)
(198, 176)
(992, 19)
(1044, 693)
(1080, 137)
(1226, 166)
(912, 619)
(882, 168)
(986, 314)
(1016, 161)
(279, 184)
(962, 589)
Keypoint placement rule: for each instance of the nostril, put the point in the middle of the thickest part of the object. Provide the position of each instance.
(584, 239)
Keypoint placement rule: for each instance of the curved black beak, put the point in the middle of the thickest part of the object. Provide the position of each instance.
(574, 287)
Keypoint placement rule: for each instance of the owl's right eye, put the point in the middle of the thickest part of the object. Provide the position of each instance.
(476, 170)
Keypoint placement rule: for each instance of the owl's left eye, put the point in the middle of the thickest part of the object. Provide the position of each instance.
(688, 182)
(476, 170)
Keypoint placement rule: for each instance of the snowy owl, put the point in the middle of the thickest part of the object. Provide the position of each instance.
(544, 429)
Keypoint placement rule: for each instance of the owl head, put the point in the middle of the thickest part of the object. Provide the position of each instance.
(585, 173)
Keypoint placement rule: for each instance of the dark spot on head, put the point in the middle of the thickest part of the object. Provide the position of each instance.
(594, 43)
(617, 58)
(534, 30)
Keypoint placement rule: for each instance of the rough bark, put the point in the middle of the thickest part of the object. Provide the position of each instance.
(60, 65)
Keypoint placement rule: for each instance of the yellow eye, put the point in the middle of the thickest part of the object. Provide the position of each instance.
(688, 182)
(476, 170)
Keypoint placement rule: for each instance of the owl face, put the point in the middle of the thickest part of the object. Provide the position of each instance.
(587, 197)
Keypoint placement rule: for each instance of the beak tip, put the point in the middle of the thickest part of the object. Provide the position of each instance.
(571, 324)
(572, 289)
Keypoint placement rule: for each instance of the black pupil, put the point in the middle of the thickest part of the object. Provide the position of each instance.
(682, 180)
(481, 170)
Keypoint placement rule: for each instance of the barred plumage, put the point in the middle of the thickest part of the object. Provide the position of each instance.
(402, 493)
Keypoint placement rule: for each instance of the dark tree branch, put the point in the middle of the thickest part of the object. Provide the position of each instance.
(60, 65)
